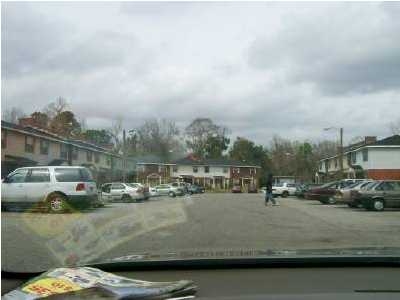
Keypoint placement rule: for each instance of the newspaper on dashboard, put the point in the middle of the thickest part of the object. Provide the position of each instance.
(91, 283)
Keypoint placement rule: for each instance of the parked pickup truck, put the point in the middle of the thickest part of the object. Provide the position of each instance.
(284, 189)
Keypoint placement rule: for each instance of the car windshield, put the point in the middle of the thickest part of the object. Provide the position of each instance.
(372, 185)
(328, 185)
(134, 185)
(140, 131)
(353, 185)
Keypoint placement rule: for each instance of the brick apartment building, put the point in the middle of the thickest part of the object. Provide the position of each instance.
(371, 158)
(219, 174)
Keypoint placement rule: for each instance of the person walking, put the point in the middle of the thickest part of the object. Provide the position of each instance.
(268, 192)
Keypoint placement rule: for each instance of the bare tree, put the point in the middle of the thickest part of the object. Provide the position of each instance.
(12, 115)
(203, 135)
(55, 108)
(116, 133)
(160, 137)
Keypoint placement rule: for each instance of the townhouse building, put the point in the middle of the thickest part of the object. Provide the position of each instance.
(32, 146)
(218, 174)
(371, 158)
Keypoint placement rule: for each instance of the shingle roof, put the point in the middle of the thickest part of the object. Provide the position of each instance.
(393, 140)
(213, 162)
(45, 133)
(148, 159)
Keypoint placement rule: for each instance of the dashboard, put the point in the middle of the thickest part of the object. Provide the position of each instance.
(274, 283)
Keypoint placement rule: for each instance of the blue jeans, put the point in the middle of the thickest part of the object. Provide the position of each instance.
(269, 196)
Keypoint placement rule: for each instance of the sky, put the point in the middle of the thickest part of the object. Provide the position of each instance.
(260, 69)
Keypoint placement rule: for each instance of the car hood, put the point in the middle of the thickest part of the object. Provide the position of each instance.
(254, 254)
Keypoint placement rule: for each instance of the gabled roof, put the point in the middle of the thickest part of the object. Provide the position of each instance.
(393, 140)
(212, 162)
(50, 135)
(149, 159)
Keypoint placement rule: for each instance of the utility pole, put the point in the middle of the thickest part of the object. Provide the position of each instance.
(124, 155)
(341, 152)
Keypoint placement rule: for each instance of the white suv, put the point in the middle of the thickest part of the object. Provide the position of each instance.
(49, 188)
(284, 189)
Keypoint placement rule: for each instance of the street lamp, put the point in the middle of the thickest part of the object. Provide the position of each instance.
(341, 147)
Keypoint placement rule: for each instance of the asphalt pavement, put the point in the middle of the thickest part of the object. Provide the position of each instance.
(35, 241)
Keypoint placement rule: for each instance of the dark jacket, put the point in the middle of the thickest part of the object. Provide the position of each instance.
(269, 184)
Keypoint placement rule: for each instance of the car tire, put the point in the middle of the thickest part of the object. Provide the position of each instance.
(57, 203)
(285, 194)
(126, 198)
(378, 205)
(331, 200)
(172, 194)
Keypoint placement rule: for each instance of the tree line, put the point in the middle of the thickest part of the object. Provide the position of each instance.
(202, 137)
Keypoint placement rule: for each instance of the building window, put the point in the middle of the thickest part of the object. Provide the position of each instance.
(329, 164)
(206, 169)
(3, 139)
(63, 151)
(195, 169)
(320, 166)
(74, 153)
(29, 144)
(349, 159)
(96, 158)
(175, 169)
(89, 155)
(225, 170)
(336, 163)
(44, 147)
(365, 154)
(353, 157)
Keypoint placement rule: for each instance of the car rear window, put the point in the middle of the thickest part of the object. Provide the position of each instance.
(73, 175)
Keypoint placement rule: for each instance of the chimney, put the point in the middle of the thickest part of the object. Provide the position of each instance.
(370, 140)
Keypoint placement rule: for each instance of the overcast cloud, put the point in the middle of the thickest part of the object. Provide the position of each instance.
(258, 68)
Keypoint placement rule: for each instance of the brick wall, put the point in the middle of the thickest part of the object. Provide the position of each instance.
(384, 174)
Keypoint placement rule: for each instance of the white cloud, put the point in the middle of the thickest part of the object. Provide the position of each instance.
(259, 68)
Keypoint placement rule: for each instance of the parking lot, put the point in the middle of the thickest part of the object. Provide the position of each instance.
(197, 222)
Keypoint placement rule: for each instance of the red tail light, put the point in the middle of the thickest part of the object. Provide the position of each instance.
(80, 187)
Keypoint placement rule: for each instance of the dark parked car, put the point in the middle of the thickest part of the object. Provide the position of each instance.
(326, 193)
(323, 193)
(195, 189)
(236, 189)
(303, 188)
(385, 193)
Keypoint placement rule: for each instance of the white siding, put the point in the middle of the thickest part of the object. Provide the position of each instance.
(383, 158)
(188, 170)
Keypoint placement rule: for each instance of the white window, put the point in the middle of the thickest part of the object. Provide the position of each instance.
(365, 154)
